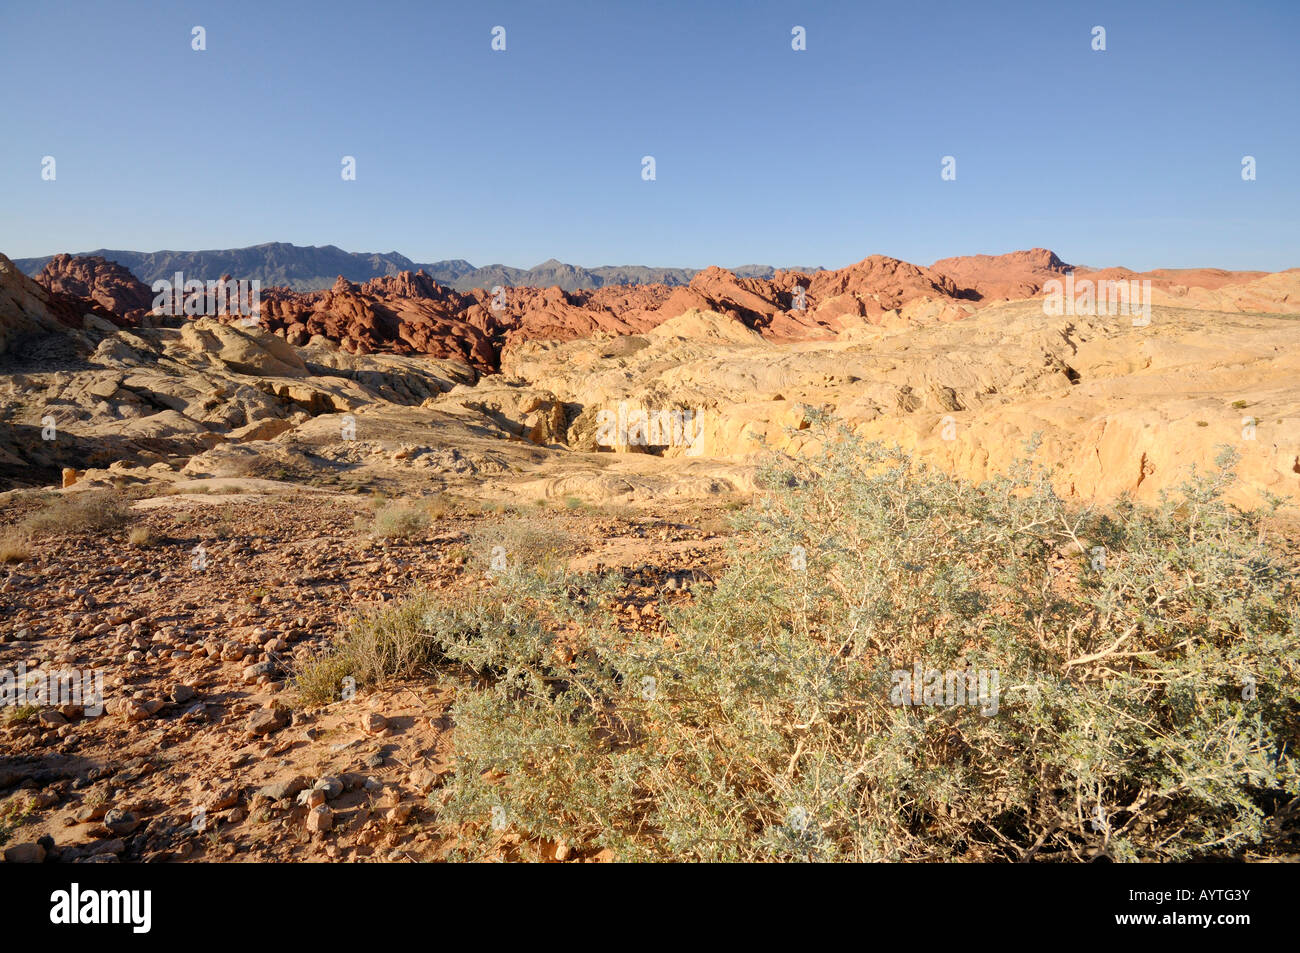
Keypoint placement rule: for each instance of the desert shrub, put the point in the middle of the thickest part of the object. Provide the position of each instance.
(87, 511)
(379, 644)
(1141, 699)
(320, 680)
(399, 520)
(15, 548)
(13, 814)
(531, 543)
(18, 714)
(141, 537)
(492, 632)
(441, 506)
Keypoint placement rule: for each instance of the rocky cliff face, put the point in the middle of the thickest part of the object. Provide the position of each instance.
(27, 309)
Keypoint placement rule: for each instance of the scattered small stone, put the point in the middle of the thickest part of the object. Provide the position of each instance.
(331, 786)
(221, 799)
(425, 780)
(31, 853)
(114, 846)
(91, 812)
(121, 822)
(283, 789)
(256, 671)
(320, 819)
(134, 709)
(264, 721)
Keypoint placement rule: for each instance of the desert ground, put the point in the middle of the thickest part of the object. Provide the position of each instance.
(198, 509)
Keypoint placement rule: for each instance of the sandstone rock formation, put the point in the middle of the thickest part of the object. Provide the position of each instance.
(549, 392)
(1020, 274)
(26, 309)
(104, 282)
(1119, 409)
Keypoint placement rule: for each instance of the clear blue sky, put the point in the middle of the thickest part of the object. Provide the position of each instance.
(821, 157)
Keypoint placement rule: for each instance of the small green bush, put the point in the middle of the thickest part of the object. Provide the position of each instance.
(380, 644)
(399, 520)
(486, 633)
(526, 542)
(13, 815)
(85, 511)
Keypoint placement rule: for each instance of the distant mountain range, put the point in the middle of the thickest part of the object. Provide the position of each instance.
(310, 268)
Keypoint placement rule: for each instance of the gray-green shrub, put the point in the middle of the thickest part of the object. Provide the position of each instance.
(1148, 703)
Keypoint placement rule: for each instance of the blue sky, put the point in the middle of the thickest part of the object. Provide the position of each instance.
(1130, 156)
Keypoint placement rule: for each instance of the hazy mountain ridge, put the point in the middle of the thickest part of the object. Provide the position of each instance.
(314, 268)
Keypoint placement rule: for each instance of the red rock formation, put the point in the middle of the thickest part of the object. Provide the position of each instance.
(1165, 279)
(122, 297)
(1020, 274)
(554, 314)
(413, 314)
(406, 314)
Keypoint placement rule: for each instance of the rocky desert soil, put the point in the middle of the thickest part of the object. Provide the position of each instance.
(256, 464)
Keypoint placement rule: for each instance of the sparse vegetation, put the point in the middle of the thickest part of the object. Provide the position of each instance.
(529, 541)
(385, 643)
(396, 520)
(1147, 658)
(15, 548)
(87, 511)
(13, 815)
(441, 506)
(21, 713)
(141, 537)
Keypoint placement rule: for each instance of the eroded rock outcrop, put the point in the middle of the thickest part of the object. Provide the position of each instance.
(104, 282)
(676, 389)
